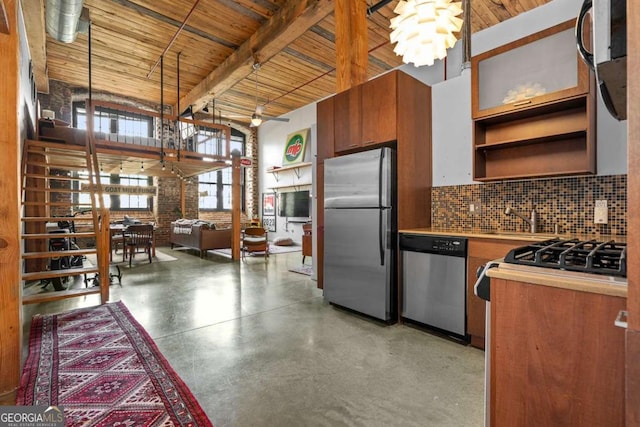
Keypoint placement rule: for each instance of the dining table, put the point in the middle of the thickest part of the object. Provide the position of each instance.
(118, 233)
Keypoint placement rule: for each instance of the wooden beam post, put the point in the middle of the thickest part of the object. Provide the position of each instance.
(33, 11)
(10, 285)
(235, 206)
(352, 54)
(633, 216)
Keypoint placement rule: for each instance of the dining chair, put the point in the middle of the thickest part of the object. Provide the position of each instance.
(139, 236)
(254, 239)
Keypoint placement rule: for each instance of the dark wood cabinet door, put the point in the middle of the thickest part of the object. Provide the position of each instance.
(556, 357)
(480, 252)
(346, 109)
(379, 110)
(475, 306)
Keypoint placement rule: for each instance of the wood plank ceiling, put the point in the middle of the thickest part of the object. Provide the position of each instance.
(128, 37)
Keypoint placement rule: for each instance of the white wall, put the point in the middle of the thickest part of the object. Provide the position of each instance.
(272, 137)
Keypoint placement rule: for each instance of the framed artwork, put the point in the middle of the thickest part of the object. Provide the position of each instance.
(269, 211)
(269, 204)
(295, 147)
(269, 223)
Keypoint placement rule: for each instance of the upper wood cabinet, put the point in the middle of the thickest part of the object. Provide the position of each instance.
(538, 69)
(534, 109)
(366, 114)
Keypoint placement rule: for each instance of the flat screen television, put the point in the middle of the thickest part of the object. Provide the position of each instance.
(294, 204)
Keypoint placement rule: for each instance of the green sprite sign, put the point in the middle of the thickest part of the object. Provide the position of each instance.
(295, 147)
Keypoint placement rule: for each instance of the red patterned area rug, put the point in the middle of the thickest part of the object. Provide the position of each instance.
(104, 369)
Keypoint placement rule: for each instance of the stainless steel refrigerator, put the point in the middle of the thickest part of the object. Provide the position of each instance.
(360, 232)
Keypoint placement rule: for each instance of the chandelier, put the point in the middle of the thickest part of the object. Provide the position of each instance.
(423, 29)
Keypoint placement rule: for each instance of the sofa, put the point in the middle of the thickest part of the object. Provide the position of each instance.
(199, 235)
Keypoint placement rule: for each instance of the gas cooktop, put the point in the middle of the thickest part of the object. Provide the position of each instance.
(588, 256)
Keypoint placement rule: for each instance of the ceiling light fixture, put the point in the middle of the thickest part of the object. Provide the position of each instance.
(141, 166)
(120, 167)
(256, 117)
(172, 169)
(423, 29)
(256, 120)
(163, 168)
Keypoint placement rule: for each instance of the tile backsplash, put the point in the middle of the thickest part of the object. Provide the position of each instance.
(568, 202)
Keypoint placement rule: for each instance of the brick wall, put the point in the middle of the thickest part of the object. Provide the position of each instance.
(58, 100)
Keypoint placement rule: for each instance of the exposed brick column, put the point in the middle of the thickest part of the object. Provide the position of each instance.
(252, 176)
(166, 207)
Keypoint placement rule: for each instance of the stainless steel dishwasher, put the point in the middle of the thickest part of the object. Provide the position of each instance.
(434, 281)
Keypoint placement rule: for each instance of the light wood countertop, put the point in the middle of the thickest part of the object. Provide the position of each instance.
(509, 235)
(582, 282)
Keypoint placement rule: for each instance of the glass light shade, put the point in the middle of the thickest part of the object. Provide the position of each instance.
(423, 29)
(256, 120)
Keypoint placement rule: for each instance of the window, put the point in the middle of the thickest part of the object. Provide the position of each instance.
(116, 201)
(84, 199)
(138, 202)
(107, 120)
(214, 188)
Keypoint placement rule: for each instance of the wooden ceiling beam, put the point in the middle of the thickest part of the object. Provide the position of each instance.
(289, 23)
(33, 12)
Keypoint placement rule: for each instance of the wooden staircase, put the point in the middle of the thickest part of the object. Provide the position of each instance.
(49, 195)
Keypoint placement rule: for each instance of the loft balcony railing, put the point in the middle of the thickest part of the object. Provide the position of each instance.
(126, 125)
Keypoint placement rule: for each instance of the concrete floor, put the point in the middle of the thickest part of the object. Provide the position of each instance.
(258, 346)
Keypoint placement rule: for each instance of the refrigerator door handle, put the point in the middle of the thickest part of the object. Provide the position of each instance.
(380, 230)
(380, 235)
(380, 170)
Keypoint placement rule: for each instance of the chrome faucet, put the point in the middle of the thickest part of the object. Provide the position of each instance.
(533, 221)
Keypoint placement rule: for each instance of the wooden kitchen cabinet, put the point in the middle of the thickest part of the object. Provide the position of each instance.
(366, 114)
(556, 357)
(533, 105)
(480, 252)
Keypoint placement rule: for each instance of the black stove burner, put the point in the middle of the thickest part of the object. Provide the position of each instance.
(590, 256)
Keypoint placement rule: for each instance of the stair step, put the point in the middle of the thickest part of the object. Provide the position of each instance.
(58, 295)
(76, 219)
(56, 235)
(66, 166)
(48, 274)
(48, 144)
(55, 254)
(53, 190)
(53, 177)
(60, 204)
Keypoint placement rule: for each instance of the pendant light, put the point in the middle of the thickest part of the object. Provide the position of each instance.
(256, 117)
(423, 29)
